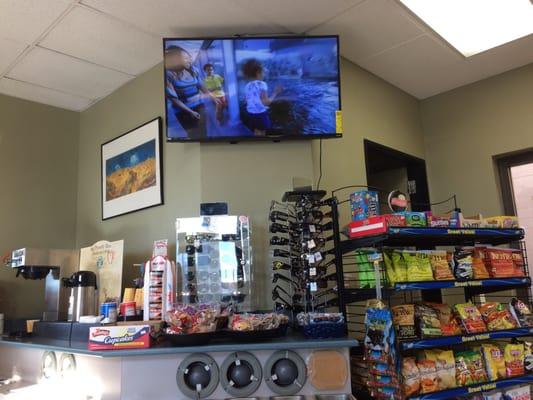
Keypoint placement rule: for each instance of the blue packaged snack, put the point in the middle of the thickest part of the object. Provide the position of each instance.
(364, 204)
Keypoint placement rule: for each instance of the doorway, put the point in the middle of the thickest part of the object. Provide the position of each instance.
(388, 169)
(516, 181)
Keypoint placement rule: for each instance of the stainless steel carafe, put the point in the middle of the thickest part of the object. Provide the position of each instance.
(83, 295)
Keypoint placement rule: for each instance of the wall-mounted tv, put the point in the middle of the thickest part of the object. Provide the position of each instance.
(252, 88)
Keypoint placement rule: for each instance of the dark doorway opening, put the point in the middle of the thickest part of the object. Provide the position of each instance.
(388, 169)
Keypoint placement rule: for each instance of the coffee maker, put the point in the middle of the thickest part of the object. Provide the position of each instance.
(52, 265)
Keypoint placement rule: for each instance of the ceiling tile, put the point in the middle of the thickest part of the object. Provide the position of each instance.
(53, 70)
(26, 20)
(371, 27)
(39, 94)
(90, 35)
(298, 15)
(185, 18)
(9, 51)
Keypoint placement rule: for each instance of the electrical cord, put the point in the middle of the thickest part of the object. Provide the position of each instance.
(319, 166)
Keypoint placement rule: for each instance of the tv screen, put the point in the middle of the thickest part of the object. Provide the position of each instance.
(232, 89)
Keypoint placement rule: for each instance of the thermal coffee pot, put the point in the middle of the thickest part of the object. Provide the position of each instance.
(83, 295)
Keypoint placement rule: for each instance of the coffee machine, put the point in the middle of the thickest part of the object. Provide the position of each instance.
(52, 265)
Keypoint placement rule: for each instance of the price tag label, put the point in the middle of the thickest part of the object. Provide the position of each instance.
(311, 244)
(318, 256)
(312, 228)
(311, 258)
(312, 271)
(313, 287)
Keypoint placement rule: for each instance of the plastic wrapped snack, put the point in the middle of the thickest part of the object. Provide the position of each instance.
(518, 262)
(479, 269)
(389, 267)
(189, 319)
(497, 317)
(518, 393)
(522, 313)
(445, 364)
(400, 266)
(470, 317)
(514, 356)
(494, 361)
(418, 266)
(500, 262)
(410, 377)
(528, 356)
(463, 264)
(474, 361)
(427, 321)
(439, 264)
(448, 323)
(428, 376)
(257, 322)
(463, 374)
(403, 317)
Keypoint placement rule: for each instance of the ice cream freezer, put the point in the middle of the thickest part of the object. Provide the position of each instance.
(290, 367)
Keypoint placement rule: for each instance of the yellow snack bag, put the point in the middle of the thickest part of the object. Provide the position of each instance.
(399, 265)
(418, 266)
(514, 355)
(494, 361)
(389, 267)
(445, 364)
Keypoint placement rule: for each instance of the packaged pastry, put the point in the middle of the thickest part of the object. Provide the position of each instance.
(500, 262)
(463, 374)
(418, 266)
(470, 318)
(403, 317)
(463, 264)
(518, 262)
(479, 269)
(400, 267)
(411, 377)
(521, 312)
(514, 355)
(494, 361)
(497, 317)
(445, 364)
(427, 321)
(448, 323)
(428, 376)
(518, 393)
(439, 263)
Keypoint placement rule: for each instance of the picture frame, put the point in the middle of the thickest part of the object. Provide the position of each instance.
(131, 171)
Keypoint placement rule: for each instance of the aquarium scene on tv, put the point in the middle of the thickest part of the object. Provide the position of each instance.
(251, 87)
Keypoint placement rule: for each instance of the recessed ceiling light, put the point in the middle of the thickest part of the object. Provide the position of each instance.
(474, 26)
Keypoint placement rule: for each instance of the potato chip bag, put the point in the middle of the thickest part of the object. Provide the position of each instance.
(500, 262)
(518, 393)
(497, 316)
(521, 312)
(439, 264)
(494, 361)
(463, 264)
(518, 262)
(403, 317)
(418, 266)
(428, 376)
(479, 269)
(400, 267)
(470, 317)
(463, 375)
(448, 323)
(411, 377)
(514, 359)
(474, 361)
(427, 321)
(445, 364)
(389, 267)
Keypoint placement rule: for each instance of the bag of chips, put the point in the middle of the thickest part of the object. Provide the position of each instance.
(500, 262)
(518, 262)
(418, 266)
(448, 323)
(470, 317)
(522, 313)
(439, 264)
(389, 267)
(494, 361)
(428, 376)
(518, 393)
(479, 270)
(411, 377)
(528, 356)
(403, 317)
(427, 321)
(445, 364)
(463, 264)
(514, 359)
(400, 267)
(497, 317)
(474, 361)
(463, 374)
(365, 270)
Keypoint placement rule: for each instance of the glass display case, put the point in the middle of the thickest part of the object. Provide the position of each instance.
(214, 259)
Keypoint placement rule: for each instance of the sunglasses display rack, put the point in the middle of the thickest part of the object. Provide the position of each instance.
(214, 256)
(304, 274)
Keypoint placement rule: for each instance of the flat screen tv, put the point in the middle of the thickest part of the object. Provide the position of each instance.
(252, 88)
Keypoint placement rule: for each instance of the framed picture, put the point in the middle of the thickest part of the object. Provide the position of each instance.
(132, 177)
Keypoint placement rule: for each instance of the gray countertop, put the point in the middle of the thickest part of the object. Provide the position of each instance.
(284, 343)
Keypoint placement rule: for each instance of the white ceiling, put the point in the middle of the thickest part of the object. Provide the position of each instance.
(70, 53)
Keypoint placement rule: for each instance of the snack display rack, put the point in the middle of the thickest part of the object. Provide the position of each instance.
(353, 295)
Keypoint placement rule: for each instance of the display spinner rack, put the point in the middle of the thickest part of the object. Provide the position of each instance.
(353, 296)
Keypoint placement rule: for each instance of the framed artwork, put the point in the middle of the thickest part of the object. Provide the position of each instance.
(132, 176)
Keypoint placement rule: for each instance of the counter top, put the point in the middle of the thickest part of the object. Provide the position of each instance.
(288, 342)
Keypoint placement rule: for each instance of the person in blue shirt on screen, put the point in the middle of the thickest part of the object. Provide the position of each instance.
(185, 91)
(257, 98)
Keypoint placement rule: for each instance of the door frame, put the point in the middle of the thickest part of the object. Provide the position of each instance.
(504, 163)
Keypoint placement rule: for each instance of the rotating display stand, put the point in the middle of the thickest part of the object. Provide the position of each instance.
(353, 295)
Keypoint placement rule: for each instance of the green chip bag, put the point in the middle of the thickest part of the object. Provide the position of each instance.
(400, 267)
(418, 266)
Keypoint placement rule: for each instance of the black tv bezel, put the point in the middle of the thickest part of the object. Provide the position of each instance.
(272, 138)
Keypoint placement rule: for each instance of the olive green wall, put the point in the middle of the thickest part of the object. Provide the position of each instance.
(465, 127)
(38, 175)
(246, 175)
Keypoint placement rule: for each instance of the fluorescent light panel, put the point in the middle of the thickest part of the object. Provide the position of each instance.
(474, 26)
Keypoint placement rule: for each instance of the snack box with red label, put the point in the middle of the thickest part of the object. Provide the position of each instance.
(394, 219)
(368, 227)
(119, 337)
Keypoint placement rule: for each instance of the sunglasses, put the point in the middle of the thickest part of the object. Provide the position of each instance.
(276, 293)
(233, 298)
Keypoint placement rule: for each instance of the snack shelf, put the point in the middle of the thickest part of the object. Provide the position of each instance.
(462, 339)
(476, 388)
(430, 237)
